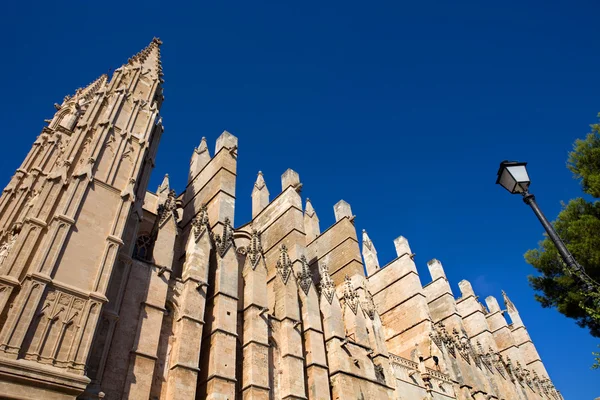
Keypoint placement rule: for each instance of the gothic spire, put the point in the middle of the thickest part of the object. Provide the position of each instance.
(260, 195)
(509, 304)
(370, 254)
(149, 58)
(163, 190)
(85, 93)
(311, 222)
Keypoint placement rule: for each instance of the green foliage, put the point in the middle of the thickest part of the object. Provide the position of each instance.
(578, 224)
(596, 355)
(584, 161)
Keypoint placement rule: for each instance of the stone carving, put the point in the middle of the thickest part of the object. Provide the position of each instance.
(201, 224)
(226, 241)
(284, 264)
(350, 295)
(254, 250)
(327, 287)
(442, 339)
(368, 305)
(379, 375)
(8, 242)
(168, 208)
(58, 319)
(304, 276)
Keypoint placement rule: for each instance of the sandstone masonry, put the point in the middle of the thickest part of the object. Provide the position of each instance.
(108, 291)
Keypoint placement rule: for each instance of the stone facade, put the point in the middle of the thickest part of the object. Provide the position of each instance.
(110, 291)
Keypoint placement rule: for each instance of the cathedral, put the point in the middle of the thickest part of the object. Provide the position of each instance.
(110, 291)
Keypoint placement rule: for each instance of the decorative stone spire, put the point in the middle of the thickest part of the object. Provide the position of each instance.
(200, 158)
(327, 287)
(149, 58)
(163, 190)
(369, 254)
(311, 222)
(350, 295)
(255, 249)
(512, 310)
(284, 264)
(304, 276)
(260, 195)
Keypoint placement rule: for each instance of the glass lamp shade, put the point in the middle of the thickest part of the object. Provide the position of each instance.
(513, 176)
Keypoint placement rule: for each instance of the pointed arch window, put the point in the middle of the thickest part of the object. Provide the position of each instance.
(143, 248)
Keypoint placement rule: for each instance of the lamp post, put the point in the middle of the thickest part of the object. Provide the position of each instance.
(513, 177)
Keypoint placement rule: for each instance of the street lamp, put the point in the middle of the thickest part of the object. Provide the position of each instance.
(513, 177)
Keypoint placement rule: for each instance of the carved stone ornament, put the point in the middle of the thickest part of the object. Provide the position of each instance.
(326, 286)
(201, 224)
(284, 264)
(304, 276)
(350, 295)
(379, 375)
(168, 208)
(442, 339)
(226, 241)
(8, 242)
(368, 305)
(254, 250)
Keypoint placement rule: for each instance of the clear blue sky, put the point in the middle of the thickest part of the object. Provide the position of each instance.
(404, 111)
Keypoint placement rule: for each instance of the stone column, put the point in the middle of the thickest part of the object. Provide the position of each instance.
(185, 358)
(255, 342)
(287, 328)
(317, 372)
(217, 378)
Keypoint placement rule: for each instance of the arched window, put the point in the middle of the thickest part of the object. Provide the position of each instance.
(143, 248)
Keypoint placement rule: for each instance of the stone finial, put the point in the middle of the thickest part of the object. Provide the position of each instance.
(369, 254)
(260, 195)
(290, 178)
(311, 223)
(342, 209)
(492, 304)
(512, 310)
(228, 141)
(466, 289)
(163, 190)
(436, 270)
(200, 158)
(402, 247)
